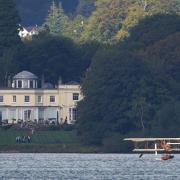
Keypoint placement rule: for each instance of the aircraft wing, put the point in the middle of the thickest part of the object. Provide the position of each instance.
(155, 150)
(155, 144)
(151, 139)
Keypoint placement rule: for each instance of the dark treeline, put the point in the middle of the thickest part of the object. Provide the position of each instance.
(34, 11)
(107, 21)
(50, 57)
(132, 88)
(127, 60)
(55, 57)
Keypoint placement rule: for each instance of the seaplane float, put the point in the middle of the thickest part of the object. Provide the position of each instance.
(165, 146)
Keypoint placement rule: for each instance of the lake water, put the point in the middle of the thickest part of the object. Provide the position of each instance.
(87, 166)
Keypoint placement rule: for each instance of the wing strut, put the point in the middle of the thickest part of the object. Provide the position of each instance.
(155, 147)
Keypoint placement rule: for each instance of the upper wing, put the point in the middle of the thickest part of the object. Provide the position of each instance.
(151, 139)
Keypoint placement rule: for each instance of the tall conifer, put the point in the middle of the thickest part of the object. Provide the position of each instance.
(64, 20)
(52, 22)
(9, 39)
(56, 20)
(9, 21)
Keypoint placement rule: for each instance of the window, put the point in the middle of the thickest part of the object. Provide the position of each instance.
(12, 114)
(75, 96)
(3, 114)
(51, 113)
(39, 99)
(41, 113)
(14, 98)
(72, 114)
(26, 99)
(27, 115)
(31, 84)
(25, 84)
(19, 84)
(1, 98)
(52, 98)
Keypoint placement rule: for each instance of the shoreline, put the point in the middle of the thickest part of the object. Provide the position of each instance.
(49, 148)
(56, 148)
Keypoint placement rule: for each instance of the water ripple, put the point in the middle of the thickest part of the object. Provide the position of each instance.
(87, 166)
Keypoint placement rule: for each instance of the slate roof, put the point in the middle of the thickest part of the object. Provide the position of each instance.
(31, 28)
(25, 75)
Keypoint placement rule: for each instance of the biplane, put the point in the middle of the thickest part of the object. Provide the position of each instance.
(165, 146)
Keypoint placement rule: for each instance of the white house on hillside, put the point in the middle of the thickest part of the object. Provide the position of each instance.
(28, 32)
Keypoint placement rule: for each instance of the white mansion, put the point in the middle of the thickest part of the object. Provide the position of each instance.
(24, 101)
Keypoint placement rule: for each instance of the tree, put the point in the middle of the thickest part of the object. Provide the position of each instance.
(105, 21)
(110, 87)
(160, 6)
(128, 84)
(59, 57)
(52, 22)
(134, 15)
(167, 120)
(64, 20)
(9, 39)
(56, 21)
(8, 66)
(85, 7)
(9, 25)
(112, 20)
(162, 59)
(154, 28)
(76, 28)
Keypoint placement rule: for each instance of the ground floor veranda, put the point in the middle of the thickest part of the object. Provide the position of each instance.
(38, 114)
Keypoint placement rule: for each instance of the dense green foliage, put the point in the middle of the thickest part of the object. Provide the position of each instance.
(85, 7)
(132, 88)
(105, 21)
(114, 18)
(9, 25)
(59, 57)
(56, 23)
(9, 39)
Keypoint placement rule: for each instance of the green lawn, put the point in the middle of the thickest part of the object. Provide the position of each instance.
(7, 137)
(44, 142)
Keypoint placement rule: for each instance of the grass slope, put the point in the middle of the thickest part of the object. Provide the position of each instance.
(7, 137)
(44, 142)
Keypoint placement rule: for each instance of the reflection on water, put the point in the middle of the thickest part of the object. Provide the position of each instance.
(87, 166)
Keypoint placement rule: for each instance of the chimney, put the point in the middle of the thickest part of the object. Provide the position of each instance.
(60, 81)
(9, 83)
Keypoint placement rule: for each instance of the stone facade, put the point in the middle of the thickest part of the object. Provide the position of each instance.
(24, 101)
